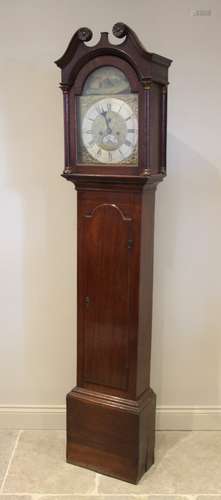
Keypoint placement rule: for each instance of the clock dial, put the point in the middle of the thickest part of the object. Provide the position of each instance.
(110, 130)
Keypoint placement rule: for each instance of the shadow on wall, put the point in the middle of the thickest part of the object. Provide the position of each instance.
(186, 345)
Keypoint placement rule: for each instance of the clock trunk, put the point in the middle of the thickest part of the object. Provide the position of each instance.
(111, 412)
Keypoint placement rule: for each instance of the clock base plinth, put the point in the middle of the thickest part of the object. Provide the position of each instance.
(111, 435)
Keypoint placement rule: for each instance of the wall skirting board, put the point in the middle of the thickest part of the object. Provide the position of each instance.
(54, 416)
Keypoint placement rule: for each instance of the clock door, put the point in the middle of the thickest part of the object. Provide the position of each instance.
(106, 260)
(105, 110)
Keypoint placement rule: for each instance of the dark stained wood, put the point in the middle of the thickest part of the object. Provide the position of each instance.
(142, 68)
(145, 290)
(163, 143)
(110, 437)
(156, 140)
(146, 64)
(71, 118)
(106, 296)
(111, 411)
(108, 235)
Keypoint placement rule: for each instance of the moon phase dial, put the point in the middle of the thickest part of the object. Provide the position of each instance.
(110, 130)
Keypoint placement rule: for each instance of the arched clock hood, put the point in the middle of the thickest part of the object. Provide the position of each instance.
(149, 66)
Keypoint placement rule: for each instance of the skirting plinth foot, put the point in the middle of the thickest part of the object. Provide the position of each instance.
(111, 435)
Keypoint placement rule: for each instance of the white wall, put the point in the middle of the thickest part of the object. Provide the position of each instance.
(38, 207)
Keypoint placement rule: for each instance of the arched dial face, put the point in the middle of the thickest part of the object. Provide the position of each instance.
(110, 130)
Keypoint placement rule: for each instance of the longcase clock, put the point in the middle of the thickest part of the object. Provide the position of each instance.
(115, 106)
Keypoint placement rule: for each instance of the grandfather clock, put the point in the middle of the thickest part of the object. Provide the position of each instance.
(115, 100)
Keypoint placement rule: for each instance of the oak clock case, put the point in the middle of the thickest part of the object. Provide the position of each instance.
(115, 107)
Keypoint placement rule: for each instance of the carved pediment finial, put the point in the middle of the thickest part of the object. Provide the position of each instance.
(120, 30)
(82, 35)
(85, 34)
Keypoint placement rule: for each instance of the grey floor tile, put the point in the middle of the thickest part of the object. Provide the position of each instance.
(16, 497)
(91, 497)
(162, 497)
(39, 467)
(186, 463)
(113, 497)
(94, 497)
(7, 442)
(209, 497)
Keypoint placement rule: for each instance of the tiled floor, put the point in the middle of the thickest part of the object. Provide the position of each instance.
(33, 467)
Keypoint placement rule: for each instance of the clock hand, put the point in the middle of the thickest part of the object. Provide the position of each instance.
(104, 114)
